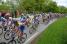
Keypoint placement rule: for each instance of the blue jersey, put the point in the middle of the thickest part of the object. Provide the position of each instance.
(23, 19)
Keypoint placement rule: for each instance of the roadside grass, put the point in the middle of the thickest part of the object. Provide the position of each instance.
(56, 33)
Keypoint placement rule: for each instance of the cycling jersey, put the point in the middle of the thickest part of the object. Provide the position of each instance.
(23, 19)
(16, 23)
(36, 20)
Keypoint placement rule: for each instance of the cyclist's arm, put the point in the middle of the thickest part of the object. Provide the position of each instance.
(3, 19)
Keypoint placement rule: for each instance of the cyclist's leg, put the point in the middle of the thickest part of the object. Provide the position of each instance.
(22, 30)
(16, 30)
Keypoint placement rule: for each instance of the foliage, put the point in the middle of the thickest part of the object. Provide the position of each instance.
(4, 8)
(41, 6)
(36, 6)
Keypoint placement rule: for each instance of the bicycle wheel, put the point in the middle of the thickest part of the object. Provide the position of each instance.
(12, 42)
(3, 43)
(1, 30)
(7, 35)
(31, 31)
(23, 38)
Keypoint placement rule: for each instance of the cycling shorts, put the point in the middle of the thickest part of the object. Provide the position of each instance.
(22, 28)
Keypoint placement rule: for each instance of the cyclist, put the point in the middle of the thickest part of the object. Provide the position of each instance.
(20, 25)
(7, 15)
(2, 19)
(28, 21)
(43, 17)
(35, 22)
(10, 21)
(7, 21)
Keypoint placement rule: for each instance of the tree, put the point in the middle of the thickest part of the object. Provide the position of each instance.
(62, 9)
(40, 6)
(4, 8)
(34, 5)
(52, 7)
(27, 5)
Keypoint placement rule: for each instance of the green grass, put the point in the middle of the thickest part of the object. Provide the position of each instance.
(56, 33)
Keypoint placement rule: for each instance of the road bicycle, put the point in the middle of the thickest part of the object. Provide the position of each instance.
(33, 28)
(12, 41)
(3, 43)
(9, 33)
(3, 28)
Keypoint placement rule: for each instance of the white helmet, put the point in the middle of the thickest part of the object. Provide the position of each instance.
(22, 14)
(10, 18)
